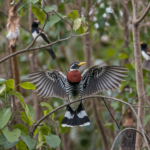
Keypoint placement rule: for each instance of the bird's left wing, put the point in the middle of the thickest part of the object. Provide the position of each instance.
(49, 83)
(96, 79)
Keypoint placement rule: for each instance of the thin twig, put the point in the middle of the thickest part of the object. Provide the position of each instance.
(137, 21)
(100, 96)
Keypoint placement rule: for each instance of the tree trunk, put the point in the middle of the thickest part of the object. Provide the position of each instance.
(13, 36)
(139, 73)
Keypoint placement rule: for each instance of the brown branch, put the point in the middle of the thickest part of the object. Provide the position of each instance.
(137, 21)
(37, 48)
(95, 96)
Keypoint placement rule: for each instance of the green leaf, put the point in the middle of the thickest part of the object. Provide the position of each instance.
(39, 144)
(31, 112)
(54, 19)
(26, 118)
(8, 145)
(10, 84)
(2, 139)
(109, 125)
(53, 140)
(80, 30)
(123, 56)
(147, 117)
(48, 9)
(50, 108)
(73, 14)
(40, 15)
(2, 88)
(21, 145)
(2, 80)
(148, 90)
(77, 24)
(5, 116)
(34, 1)
(83, 19)
(11, 135)
(23, 4)
(21, 127)
(28, 85)
(111, 52)
(43, 130)
(29, 141)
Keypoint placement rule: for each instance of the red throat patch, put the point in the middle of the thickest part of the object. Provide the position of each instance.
(74, 76)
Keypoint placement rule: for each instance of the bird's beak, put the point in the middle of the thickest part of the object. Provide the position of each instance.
(141, 43)
(81, 63)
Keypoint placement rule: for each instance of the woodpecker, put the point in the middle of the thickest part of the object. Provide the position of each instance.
(54, 83)
(146, 54)
(42, 38)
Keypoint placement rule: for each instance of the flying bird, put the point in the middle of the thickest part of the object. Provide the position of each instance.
(54, 83)
(42, 38)
(146, 54)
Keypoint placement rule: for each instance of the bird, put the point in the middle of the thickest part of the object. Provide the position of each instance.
(42, 38)
(146, 54)
(95, 79)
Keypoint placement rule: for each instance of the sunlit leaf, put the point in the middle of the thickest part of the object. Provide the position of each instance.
(123, 56)
(40, 15)
(54, 19)
(34, 1)
(73, 14)
(50, 108)
(2, 88)
(27, 85)
(77, 24)
(10, 84)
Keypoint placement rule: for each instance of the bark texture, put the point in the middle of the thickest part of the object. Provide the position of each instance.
(139, 73)
(13, 37)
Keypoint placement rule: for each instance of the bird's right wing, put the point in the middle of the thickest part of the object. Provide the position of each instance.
(49, 83)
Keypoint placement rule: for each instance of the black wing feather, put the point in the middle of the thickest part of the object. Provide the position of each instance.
(97, 79)
(49, 83)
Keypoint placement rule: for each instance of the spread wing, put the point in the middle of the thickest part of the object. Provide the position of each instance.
(49, 83)
(96, 79)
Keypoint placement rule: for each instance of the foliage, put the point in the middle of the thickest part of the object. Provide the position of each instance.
(19, 135)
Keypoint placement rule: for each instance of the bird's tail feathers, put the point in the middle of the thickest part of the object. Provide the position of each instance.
(50, 51)
(77, 117)
(146, 65)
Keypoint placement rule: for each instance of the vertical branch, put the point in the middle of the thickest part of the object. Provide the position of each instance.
(139, 73)
(89, 62)
(100, 125)
(13, 36)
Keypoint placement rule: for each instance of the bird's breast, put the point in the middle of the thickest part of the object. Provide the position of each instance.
(74, 76)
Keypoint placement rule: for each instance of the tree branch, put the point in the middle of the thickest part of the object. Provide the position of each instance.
(37, 48)
(137, 21)
(122, 132)
(95, 96)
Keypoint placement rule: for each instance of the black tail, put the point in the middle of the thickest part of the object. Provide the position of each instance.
(75, 117)
(50, 51)
(146, 65)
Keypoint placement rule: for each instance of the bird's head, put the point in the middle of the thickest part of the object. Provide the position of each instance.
(143, 46)
(76, 65)
(35, 23)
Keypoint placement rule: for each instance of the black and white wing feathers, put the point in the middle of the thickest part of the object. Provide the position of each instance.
(49, 83)
(96, 79)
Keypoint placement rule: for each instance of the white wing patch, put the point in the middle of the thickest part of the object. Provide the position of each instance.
(146, 56)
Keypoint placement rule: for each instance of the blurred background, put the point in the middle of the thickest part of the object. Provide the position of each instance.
(109, 42)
